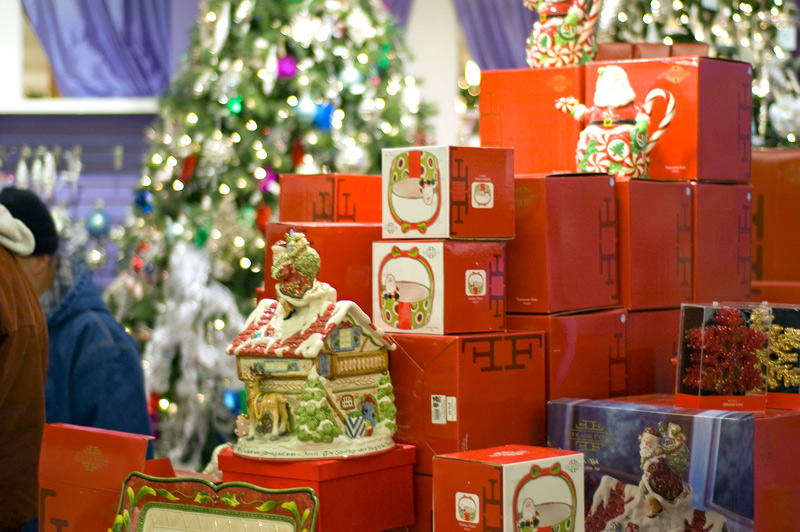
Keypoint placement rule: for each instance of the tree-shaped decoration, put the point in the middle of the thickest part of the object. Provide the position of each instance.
(314, 417)
(724, 356)
(387, 411)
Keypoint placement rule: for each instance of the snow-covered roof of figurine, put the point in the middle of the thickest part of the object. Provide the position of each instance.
(306, 312)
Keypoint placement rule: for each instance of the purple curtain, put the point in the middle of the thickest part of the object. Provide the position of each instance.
(105, 47)
(495, 31)
(400, 9)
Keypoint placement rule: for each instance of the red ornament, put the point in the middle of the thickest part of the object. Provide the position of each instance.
(187, 170)
(262, 217)
(297, 153)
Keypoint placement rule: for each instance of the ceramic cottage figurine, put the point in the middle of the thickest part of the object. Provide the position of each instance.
(316, 369)
(564, 33)
(615, 140)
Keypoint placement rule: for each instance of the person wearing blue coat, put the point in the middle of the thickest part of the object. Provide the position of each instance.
(95, 378)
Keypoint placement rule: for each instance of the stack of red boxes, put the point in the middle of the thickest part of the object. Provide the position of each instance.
(776, 242)
(604, 264)
(460, 380)
(340, 215)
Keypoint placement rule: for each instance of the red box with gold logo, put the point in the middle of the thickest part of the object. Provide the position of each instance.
(776, 196)
(722, 243)
(345, 252)
(518, 110)
(330, 198)
(438, 286)
(652, 344)
(655, 243)
(564, 256)
(709, 137)
(454, 192)
(81, 471)
(384, 479)
(585, 353)
(461, 392)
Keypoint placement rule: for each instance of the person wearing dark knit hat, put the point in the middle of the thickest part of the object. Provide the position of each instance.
(95, 377)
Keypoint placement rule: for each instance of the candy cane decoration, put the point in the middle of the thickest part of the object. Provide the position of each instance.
(588, 27)
(668, 116)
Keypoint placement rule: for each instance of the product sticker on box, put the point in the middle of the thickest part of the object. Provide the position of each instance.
(721, 363)
(659, 469)
(514, 488)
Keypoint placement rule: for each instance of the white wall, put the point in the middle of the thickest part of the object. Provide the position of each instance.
(432, 40)
(11, 57)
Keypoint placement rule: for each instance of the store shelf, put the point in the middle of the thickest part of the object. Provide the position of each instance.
(80, 106)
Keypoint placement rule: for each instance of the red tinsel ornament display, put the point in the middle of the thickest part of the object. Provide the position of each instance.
(723, 357)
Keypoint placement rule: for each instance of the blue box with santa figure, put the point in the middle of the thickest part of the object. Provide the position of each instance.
(651, 466)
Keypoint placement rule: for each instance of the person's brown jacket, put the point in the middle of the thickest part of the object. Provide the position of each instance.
(23, 370)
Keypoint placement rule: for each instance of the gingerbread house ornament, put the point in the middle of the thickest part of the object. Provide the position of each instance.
(316, 370)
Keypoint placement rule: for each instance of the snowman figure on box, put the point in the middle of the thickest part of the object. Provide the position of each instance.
(615, 140)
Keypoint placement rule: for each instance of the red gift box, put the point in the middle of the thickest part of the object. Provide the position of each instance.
(655, 243)
(681, 49)
(518, 109)
(565, 254)
(775, 292)
(438, 287)
(613, 51)
(776, 196)
(330, 198)
(652, 343)
(585, 353)
(509, 489)
(457, 192)
(423, 504)
(457, 392)
(345, 252)
(722, 242)
(742, 465)
(369, 493)
(650, 50)
(81, 472)
(709, 138)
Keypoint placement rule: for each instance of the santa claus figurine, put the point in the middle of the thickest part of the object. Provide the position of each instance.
(564, 33)
(615, 139)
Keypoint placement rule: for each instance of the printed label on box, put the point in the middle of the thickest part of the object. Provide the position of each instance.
(476, 282)
(438, 409)
(467, 507)
(451, 409)
(482, 195)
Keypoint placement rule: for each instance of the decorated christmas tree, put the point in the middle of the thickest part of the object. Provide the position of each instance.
(267, 88)
(760, 32)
